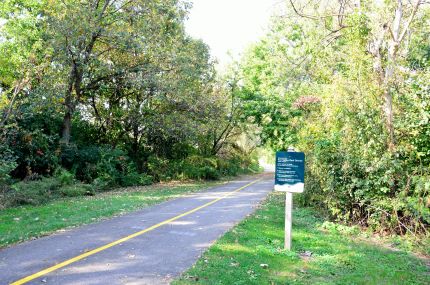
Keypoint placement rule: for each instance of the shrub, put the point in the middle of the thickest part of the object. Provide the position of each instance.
(32, 192)
(37, 192)
(159, 168)
(228, 167)
(237, 164)
(36, 153)
(7, 164)
(103, 183)
(136, 179)
(114, 168)
(65, 177)
(85, 163)
(198, 167)
(208, 173)
(69, 155)
(77, 190)
(146, 179)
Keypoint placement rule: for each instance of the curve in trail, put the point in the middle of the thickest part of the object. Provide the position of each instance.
(151, 246)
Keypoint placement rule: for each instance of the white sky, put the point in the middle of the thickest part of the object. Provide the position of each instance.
(229, 25)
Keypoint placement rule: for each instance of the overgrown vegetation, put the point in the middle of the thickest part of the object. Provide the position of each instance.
(347, 82)
(102, 94)
(322, 253)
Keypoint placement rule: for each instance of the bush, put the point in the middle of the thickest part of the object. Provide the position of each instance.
(113, 168)
(238, 164)
(65, 177)
(159, 168)
(136, 179)
(77, 190)
(102, 183)
(32, 192)
(35, 151)
(198, 167)
(37, 192)
(209, 173)
(85, 165)
(229, 167)
(7, 164)
(69, 155)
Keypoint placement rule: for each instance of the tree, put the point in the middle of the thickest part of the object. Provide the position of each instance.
(334, 96)
(388, 32)
(21, 49)
(88, 43)
(98, 41)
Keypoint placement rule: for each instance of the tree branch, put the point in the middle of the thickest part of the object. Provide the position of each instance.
(411, 18)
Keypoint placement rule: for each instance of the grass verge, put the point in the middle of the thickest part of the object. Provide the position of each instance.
(252, 253)
(26, 222)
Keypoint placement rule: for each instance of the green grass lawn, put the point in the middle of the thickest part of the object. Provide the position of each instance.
(321, 254)
(22, 223)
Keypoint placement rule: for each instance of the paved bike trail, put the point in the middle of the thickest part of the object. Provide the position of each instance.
(175, 233)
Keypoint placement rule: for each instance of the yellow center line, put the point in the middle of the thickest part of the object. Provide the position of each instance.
(109, 245)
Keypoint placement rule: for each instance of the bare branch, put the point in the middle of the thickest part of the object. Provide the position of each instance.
(411, 18)
(320, 17)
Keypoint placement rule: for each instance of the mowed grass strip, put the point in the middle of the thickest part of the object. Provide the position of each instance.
(26, 222)
(252, 253)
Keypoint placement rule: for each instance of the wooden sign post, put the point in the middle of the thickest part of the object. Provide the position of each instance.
(289, 178)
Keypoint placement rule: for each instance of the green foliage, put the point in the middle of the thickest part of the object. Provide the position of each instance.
(7, 164)
(65, 177)
(117, 97)
(325, 96)
(237, 164)
(159, 168)
(33, 192)
(84, 162)
(201, 167)
(44, 190)
(113, 166)
(136, 179)
(32, 139)
(36, 153)
(197, 167)
(77, 190)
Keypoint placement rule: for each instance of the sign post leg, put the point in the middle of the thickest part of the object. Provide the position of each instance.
(288, 219)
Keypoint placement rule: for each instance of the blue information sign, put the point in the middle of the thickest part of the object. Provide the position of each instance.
(290, 171)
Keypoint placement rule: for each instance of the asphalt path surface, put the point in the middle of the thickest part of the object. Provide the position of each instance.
(150, 246)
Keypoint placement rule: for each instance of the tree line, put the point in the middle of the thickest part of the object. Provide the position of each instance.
(109, 93)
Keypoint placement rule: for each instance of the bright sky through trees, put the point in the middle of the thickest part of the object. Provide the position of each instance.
(229, 25)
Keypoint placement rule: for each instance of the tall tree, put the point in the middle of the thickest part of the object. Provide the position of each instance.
(390, 25)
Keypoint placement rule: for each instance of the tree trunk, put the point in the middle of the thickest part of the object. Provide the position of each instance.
(67, 125)
(67, 120)
(69, 105)
(388, 110)
(389, 73)
(388, 96)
